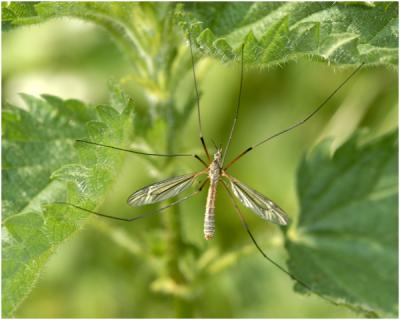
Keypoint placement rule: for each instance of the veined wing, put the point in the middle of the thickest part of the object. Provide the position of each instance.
(260, 204)
(162, 190)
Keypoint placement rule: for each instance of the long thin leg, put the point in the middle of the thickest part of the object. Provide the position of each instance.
(198, 103)
(145, 153)
(237, 109)
(144, 215)
(246, 227)
(296, 124)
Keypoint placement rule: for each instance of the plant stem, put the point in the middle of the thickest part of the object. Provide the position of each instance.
(175, 248)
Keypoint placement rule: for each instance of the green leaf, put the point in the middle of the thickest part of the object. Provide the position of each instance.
(13, 11)
(345, 243)
(38, 144)
(128, 24)
(275, 32)
(109, 16)
(36, 141)
(98, 167)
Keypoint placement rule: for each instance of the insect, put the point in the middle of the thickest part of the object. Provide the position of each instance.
(215, 171)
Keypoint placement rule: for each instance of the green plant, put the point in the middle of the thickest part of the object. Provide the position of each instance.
(151, 37)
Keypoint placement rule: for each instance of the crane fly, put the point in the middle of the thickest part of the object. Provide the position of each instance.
(215, 172)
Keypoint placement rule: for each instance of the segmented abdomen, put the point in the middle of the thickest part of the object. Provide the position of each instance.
(209, 217)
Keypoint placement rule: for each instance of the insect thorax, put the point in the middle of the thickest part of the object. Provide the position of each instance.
(215, 167)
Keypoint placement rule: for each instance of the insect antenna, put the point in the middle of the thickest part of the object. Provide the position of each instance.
(198, 103)
(144, 215)
(144, 153)
(246, 227)
(298, 123)
(215, 145)
(237, 108)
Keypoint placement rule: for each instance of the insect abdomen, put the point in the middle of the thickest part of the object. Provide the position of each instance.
(209, 217)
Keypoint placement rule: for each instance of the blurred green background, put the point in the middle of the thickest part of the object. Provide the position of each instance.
(99, 272)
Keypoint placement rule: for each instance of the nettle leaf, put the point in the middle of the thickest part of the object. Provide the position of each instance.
(345, 243)
(36, 141)
(275, 32)
(98, 167)
(112, 17)
(130, 24)
(38, 144)
(13, 11)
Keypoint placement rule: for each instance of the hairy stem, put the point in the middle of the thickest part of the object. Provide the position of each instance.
(175, 248)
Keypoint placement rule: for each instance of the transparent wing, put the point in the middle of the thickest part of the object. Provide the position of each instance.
(162, 190)
(260, 204)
